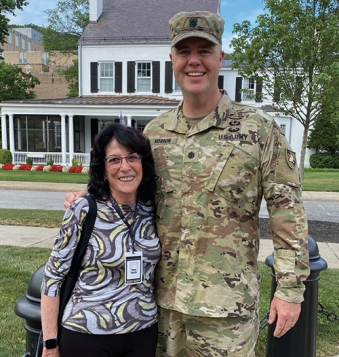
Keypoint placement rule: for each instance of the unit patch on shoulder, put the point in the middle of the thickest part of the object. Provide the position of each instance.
(291, 159)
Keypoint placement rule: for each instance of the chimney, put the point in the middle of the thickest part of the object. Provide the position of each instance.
(95, 10)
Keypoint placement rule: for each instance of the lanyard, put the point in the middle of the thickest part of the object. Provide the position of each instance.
(121, 215)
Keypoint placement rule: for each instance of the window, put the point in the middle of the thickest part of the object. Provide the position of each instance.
(144, 77)
(23, 42)
(283, 128)
(16, 39)
(248, 84)
(22, 58)
(29, 44)
(106, 77)
(9, 39)
(38, 133)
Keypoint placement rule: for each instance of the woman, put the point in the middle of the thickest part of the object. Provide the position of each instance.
(112, 311)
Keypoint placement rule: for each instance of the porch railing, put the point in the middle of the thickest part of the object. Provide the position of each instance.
(41, 158)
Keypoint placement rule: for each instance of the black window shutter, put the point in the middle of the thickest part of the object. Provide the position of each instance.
(156, 77)
(130, 77)
(221, 82)
(238, 87)
(168, 77)
(94, 77)
(258, 92)
(276, 92)
(298, 87)
(118, 77)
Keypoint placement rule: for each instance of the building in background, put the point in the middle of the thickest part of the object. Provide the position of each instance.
(124, 67)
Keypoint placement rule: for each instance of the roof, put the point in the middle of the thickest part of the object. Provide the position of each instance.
(145, 21)
(102, 100)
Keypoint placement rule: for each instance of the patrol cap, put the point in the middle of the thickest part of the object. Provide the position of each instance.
(203, 24)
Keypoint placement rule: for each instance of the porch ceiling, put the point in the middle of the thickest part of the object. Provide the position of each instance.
(100, 100)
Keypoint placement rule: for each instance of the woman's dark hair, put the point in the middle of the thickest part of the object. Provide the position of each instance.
(133, 141)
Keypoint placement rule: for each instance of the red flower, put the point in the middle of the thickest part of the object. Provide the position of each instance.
(39, 168)
(72, 169)
(55, 168)
(7, 167)
(25, 167)
(78, 169)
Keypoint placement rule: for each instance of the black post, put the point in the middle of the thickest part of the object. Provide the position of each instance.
(301, 340)
(28, 307)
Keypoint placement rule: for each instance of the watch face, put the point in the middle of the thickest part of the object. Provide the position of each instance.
(51, 343)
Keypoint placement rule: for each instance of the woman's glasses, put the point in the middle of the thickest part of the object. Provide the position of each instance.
(130, 159)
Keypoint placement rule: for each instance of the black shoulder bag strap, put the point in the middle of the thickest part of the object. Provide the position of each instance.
(72, 276)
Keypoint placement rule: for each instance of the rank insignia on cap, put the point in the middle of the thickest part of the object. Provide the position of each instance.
(291, 159)
(193, 22)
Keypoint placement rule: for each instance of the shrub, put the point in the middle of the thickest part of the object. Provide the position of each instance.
(50, 162)
(5, 156)
(29, 161)
(324, 160)
(75, 162)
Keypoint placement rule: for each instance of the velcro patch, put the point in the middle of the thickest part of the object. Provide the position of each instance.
(291, 159)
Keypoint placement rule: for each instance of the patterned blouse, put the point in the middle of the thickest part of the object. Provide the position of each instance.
(101, 302)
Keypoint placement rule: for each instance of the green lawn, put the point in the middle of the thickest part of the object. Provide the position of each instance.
(18, 264)
(321, 181)
(41, 176)
(32, 218)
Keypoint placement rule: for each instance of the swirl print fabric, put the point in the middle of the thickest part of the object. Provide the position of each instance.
(101, 302)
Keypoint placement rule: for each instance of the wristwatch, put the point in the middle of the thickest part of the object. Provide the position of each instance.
(50, 343)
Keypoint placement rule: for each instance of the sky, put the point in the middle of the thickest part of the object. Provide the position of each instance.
(232, 11)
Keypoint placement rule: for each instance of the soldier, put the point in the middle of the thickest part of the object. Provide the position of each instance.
(215, 160)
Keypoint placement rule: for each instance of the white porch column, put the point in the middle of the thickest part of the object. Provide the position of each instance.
(63, 139)
(19, 143)
(11, 135)
(129, 120)
(4, 131)
(70, 138)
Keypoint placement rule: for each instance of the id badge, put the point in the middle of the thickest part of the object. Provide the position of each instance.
(133, 268)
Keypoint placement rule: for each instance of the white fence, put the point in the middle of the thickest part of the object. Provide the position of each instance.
(41, 158)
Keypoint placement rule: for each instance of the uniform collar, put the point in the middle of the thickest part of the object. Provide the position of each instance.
(216, 118)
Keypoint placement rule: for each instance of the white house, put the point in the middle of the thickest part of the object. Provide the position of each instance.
(124, 70)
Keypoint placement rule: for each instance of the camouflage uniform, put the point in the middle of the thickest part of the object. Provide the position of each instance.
(211, 180)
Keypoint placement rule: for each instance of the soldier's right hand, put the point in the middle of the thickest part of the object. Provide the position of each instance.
(71, 197)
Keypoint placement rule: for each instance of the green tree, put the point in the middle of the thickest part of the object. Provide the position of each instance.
(15, 84)
(323, 136)
(71, 76)
(8, 7)
(66, 24)
(329, 80)
(292, 43)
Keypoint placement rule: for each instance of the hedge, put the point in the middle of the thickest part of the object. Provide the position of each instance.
(324, 160)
